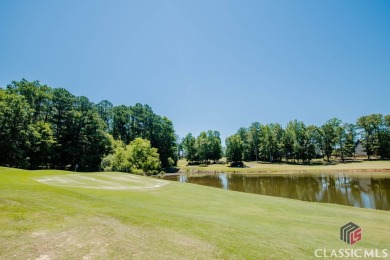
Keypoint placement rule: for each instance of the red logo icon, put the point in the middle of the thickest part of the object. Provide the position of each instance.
(350, 233)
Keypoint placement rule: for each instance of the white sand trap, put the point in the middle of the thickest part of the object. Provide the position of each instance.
(105, 181)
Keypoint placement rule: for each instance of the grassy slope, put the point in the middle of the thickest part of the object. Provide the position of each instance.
(178, 220)
(317, 166)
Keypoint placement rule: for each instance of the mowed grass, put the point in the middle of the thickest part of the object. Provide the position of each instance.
(172, 221)
(317, 165)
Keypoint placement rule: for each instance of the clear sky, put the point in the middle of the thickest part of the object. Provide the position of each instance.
(209, 64)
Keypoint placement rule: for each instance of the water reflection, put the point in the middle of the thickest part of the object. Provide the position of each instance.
(364, 192)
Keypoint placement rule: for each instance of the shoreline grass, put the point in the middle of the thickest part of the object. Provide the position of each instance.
(177, 220)
(377, 167)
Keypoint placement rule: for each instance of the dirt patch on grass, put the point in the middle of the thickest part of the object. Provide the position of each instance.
(108, 238)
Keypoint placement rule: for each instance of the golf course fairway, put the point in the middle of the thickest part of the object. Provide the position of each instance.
(50, 214)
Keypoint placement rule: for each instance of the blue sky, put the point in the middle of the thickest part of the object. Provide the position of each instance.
(208, 64)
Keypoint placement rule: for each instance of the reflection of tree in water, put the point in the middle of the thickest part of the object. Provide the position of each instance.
(211, 180)
(302, 188)
(344, 190)
(333, 190)
(381, 193)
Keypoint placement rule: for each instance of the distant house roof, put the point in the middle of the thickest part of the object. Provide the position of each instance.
(359, 148)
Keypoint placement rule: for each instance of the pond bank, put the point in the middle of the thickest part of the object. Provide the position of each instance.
(372, 167)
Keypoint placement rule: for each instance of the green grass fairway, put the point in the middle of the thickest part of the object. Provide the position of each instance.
(62, 215)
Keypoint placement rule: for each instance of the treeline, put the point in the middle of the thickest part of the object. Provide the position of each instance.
(42, 126)
(207, 146)
(298, 142)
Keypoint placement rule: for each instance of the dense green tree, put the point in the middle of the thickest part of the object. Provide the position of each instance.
(350, 139)
(142, 121)
(41, 126)
(143, 157)
(38, 144)
(243, 133)
(45, 127)
(296, 130)
(254, 136)
(234, 148)
(105, 111)
(14, 122)
(121, 123)
(203, 147)
(164, 139)
(62, 123)
(288, 141)
(372, 139)
(277, 138)
(310, 146)
(139, 121)
(267, 143)
(36, 136)
(90, 142)
(215, 150)
(386, 122)
(37, 97)
(207, 146)
(189, 146)
(137, 157)
(345, 140)
(329, 136)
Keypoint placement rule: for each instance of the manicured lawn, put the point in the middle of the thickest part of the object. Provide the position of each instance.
(58, 215)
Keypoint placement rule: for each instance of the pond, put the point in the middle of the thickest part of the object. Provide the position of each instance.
(358, 190)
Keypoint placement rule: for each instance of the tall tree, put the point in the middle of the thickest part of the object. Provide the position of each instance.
(267, 143)
(371, 126)
(350, 139)
(121, 124)
(62, 122)
(234, 148)
(37, 146)
(243, 133)
(288, 141)
(90, 142)
(215, 150)
(203, 147)
(386, 122)
(37, 96)
(296, 130)
(105, 111)
(328, 133)
(189, 146)
(14, 122)
(277, 136)
(164, 139)
(41, 126)
(141, 121)
(310, 143)
(254, 136)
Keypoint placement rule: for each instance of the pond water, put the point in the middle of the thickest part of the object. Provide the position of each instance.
(358, 190)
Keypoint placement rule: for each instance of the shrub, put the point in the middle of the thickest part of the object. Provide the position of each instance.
(138, 157)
